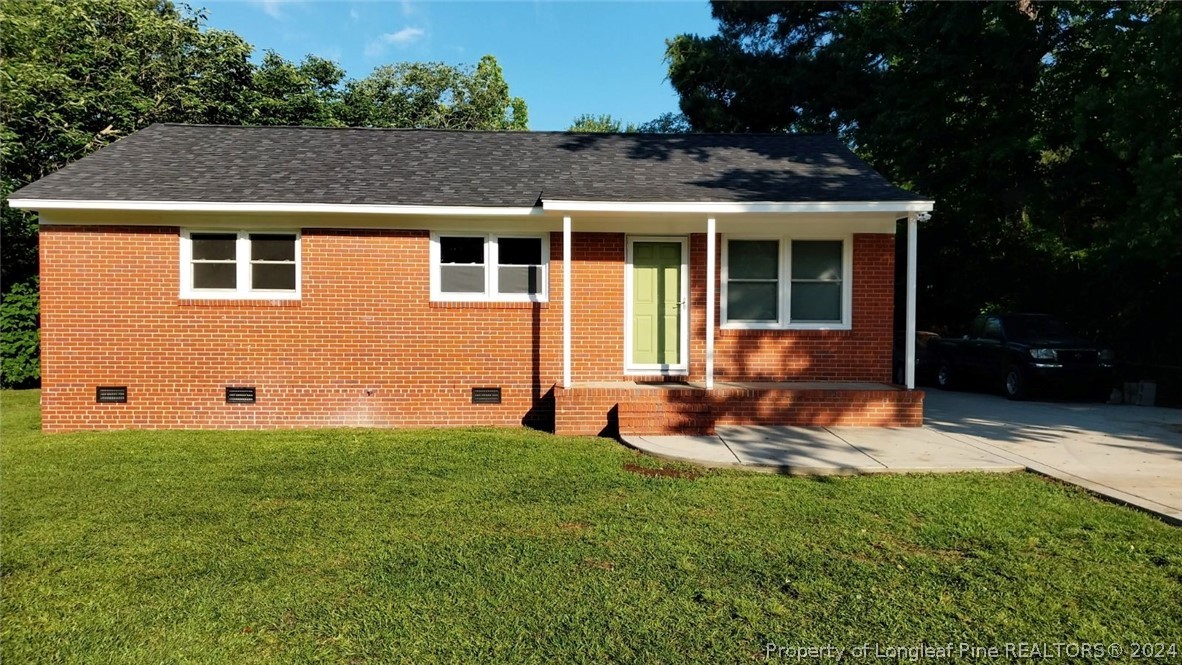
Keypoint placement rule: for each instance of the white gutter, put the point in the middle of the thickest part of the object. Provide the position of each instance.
(706, 208)
(334, 208)
(753, 207)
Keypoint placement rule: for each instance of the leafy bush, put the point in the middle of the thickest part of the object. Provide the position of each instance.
(20, 362)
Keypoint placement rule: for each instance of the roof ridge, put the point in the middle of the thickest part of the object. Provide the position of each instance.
(443, 130)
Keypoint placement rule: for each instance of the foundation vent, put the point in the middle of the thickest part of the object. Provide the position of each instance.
(110, 394)
(486, 395)
(239, 395)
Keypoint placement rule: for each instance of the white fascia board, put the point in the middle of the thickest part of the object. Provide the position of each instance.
(335, 208)
(753, 207)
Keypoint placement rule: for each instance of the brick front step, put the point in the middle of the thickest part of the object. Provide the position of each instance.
(693, 410)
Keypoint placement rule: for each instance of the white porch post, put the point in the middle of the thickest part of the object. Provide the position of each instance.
(710, 277)
(566, 224)
(909, 367)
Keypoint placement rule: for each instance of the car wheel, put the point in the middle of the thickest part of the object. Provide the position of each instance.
(1015, 383)
(944, 375)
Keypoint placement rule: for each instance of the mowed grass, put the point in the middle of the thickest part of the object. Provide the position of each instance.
(516, 546)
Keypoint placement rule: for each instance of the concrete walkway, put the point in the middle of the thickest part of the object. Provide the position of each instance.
(826, 450)
(1129, 454)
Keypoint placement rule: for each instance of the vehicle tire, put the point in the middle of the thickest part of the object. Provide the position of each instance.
(945, 375)
(1015, 385)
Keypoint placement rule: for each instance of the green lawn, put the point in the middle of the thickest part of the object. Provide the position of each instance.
(492, 545)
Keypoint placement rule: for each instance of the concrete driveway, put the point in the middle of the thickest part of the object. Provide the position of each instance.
(1129, 453)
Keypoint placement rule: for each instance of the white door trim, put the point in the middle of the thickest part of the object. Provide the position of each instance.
(682, 368)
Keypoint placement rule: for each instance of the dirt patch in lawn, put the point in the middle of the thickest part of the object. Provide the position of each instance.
(662, 472)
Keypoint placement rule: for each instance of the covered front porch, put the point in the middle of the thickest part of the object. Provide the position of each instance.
(725, 370)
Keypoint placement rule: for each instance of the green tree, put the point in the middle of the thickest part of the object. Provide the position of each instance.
(434, 95)
(289, 94)
(666, 123)
(19, 321)
(602, 124)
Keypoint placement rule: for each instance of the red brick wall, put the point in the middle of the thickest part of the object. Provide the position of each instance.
(597, 305)
(365, 346)
(694, 412)
(610, 411)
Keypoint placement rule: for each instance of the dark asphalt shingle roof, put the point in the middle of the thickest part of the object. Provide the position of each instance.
(204, 163)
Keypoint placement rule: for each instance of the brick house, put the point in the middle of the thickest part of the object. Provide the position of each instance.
(267, 277)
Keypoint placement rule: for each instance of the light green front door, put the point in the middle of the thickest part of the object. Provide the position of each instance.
(656, 303)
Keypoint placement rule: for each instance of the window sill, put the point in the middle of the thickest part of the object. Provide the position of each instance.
(239, 302)
(488, 304)
(726, 331)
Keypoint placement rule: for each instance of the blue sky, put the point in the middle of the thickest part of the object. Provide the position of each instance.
(563, 58)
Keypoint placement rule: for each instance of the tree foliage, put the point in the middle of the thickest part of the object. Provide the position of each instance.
(78, 75)
(1050, 136)
(286, 93)
(601, 124)
(431, 94)
(19, 337)
(666, 123)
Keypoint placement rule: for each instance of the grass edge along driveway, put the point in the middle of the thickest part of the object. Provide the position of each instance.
(516, 546)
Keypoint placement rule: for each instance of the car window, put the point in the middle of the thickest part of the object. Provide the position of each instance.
(992, 329)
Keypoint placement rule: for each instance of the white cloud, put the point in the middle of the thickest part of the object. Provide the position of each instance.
(401, 39)
(354, 14)
(405, 36)
(408, 8)
(271, 7)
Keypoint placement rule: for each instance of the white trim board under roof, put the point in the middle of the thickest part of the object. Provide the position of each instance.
(671, 207)
(227, 206)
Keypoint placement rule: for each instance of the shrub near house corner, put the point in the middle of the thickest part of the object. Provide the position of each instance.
(20, 364)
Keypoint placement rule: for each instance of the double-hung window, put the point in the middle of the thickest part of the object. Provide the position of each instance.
(489, 267)
(784, 283)
(244, 265)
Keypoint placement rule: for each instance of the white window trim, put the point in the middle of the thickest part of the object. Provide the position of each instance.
(242, 264)
(784, 303)
(491, 271)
